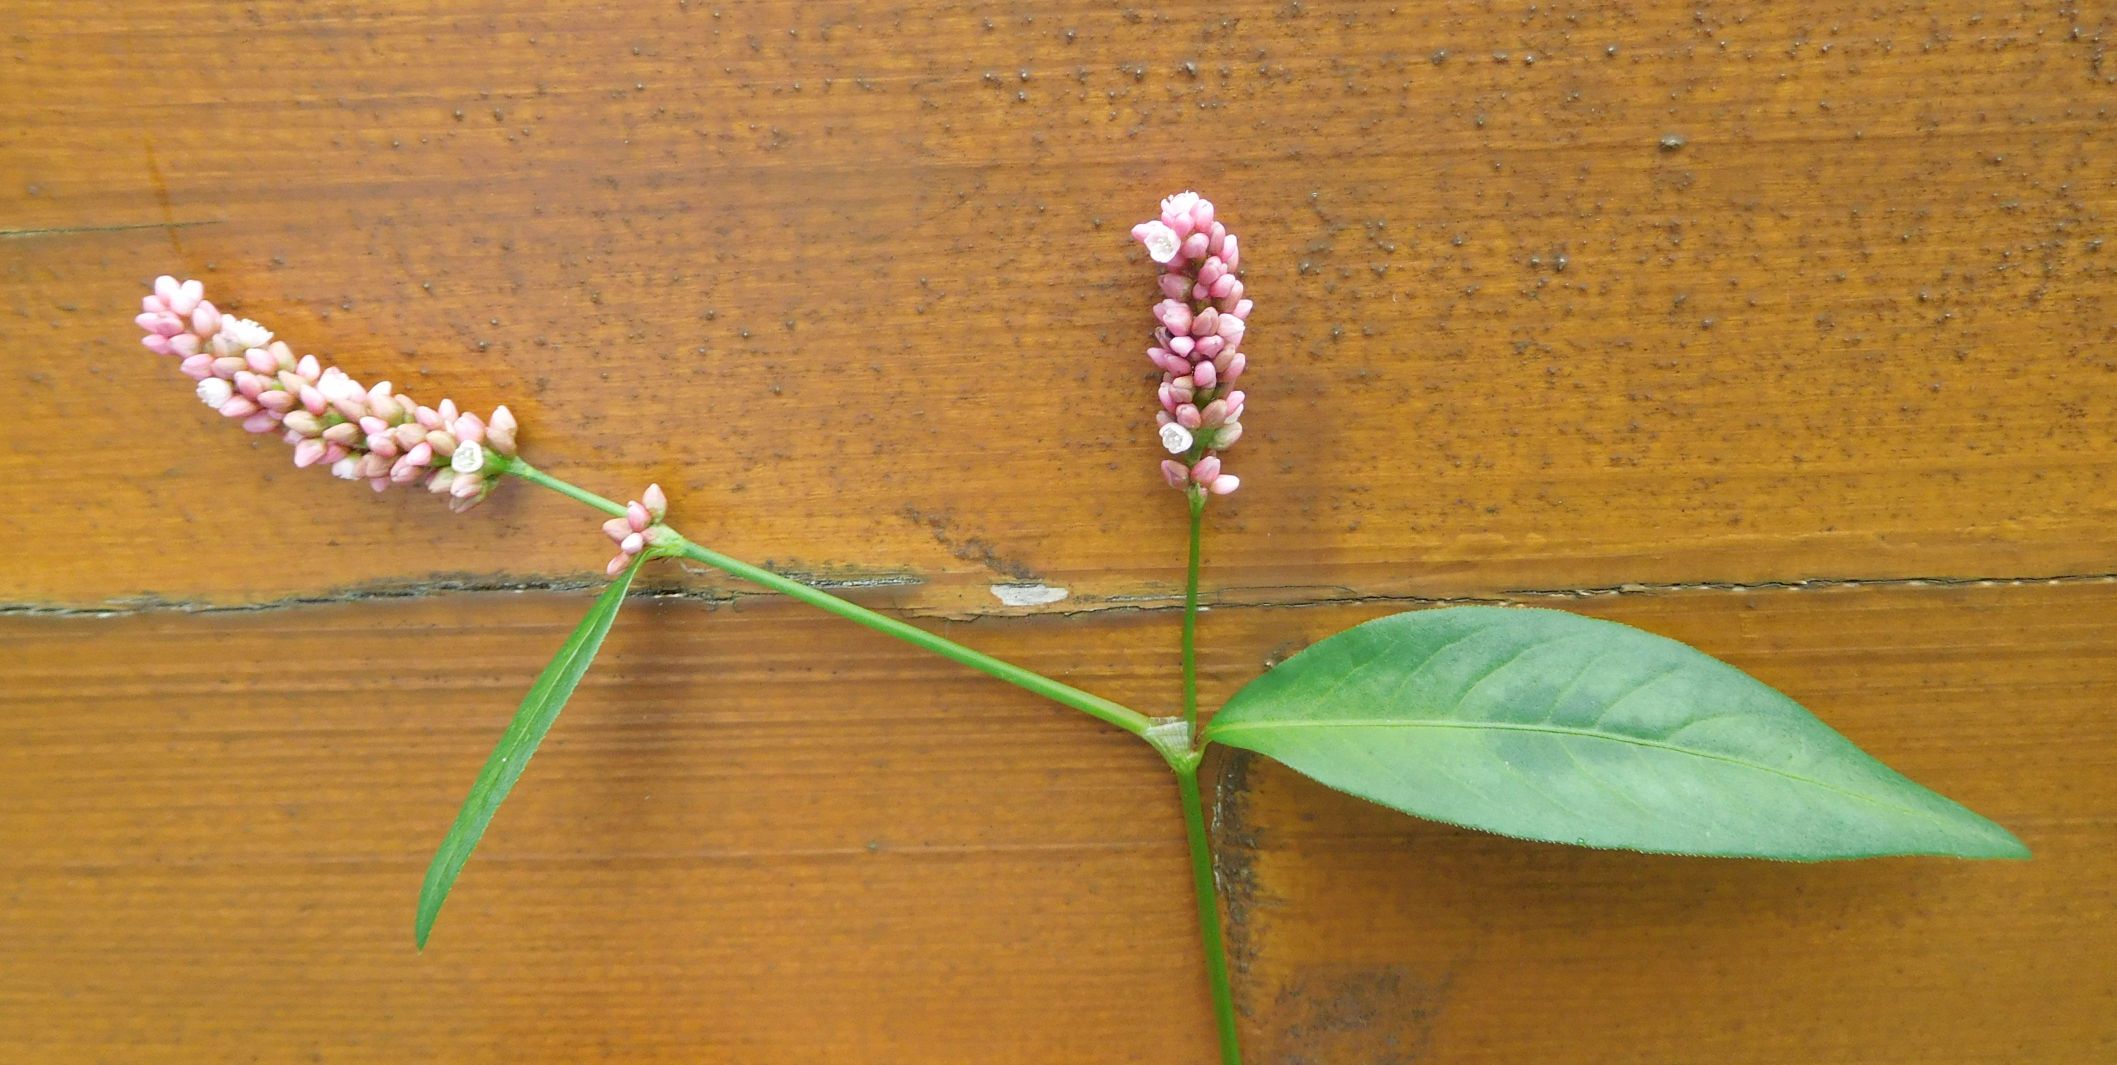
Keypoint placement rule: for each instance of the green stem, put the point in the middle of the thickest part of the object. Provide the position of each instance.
(1190, 616)
(1194, 824)
(1094, 706)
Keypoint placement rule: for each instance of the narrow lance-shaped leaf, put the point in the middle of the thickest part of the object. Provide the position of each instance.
(539, 709)
(1550, 726)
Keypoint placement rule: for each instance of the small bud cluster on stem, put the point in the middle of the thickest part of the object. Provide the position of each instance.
(635, 530)
(359, 433)
(1203, 316)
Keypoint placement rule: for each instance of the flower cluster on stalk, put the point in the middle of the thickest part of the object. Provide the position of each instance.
(1203, 315)
(370, 433)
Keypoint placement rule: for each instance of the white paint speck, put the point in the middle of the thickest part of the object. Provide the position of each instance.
(1028, 594)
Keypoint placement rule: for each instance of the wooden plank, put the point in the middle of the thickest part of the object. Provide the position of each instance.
(852, 280)
(762, 835)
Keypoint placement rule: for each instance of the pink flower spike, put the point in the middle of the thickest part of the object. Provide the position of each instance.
(1202, 321)
(1224, 484)
(657, 502)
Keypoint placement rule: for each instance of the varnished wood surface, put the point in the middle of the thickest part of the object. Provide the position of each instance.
(761, 835)
(1551, 299)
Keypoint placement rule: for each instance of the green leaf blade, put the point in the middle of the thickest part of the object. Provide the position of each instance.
(1550, 726)
(532, 720)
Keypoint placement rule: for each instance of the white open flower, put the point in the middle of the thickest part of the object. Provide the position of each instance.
(1175, 438)
(244, 333)
(213, 392)
(1161, 241)
(469, 457)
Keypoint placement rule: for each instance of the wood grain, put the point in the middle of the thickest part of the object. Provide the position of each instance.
(1553, 298)
(761, 835)
(852, 279)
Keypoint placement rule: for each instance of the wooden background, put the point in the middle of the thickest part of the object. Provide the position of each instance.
(1786, 330)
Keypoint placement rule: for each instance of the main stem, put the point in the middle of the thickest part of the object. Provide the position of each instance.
(1093, 705)
(1194, 823)
(1203, 882)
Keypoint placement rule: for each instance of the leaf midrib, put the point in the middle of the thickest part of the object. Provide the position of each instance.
(1216, 729)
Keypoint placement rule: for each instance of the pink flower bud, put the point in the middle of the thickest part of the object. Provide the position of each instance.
(469, 427)
(344, 433)
(637, 516)
(1211, 270)
(166, 288)
(657, 502)
(427, 417)
(1224, 484)
(502, 418)
(263, 421)
(384, 445)
(1204, 375)
(1187, 416)
(1182, 346)
(617, 565)
(1227, 434)
(1223, 288)
(409, 436)
(1214, 413)
(1195, 246)
(276, 401)
(617, 529)
(1242, 309)
(1236, 363)
(633, 544)
(261, 361)
(308, 453)
(1230, 253)
(198, 367)
(1204, 470)
(420, 454)
(443, 441)
(467, 485)
(309, 369)
(1174, 286)
(306, 424)
(157, 343)
(447, 410)
(238, 407)
(312, 400)
(1208, 347)
(1175, 473)
(1174, 315)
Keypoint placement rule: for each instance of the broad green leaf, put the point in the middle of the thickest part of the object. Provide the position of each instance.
(539, 709)
(1550, 726)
